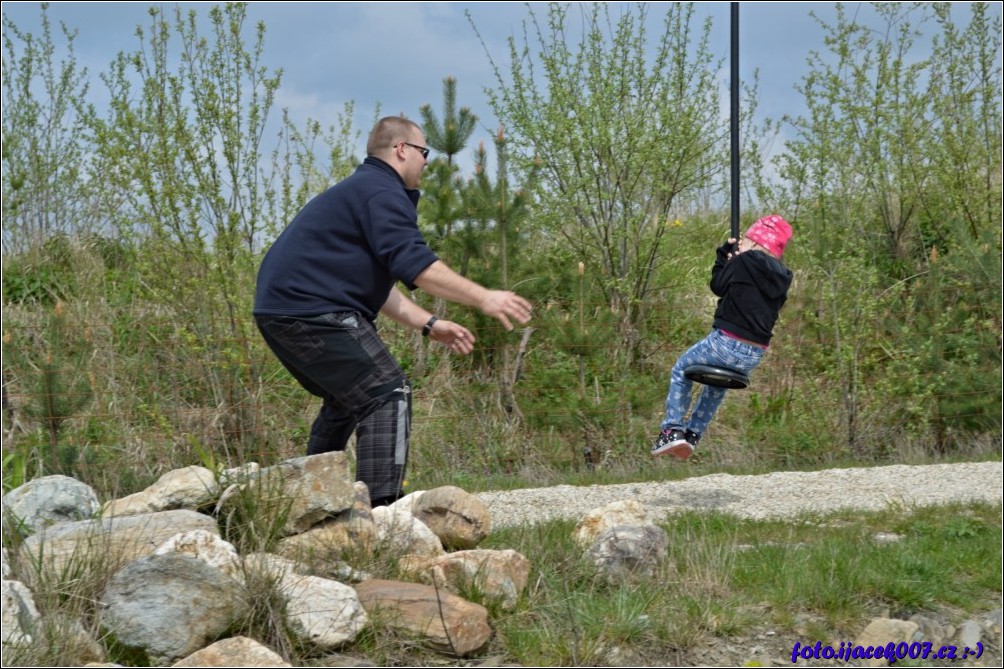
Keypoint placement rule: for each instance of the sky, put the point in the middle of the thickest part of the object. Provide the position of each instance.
(397, 54)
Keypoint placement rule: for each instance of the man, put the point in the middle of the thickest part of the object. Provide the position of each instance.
(328, 275)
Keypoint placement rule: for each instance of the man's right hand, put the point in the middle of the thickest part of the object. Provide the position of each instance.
(441, 281)
(505, 304)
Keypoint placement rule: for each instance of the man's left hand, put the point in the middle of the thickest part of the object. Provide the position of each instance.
(453, 336)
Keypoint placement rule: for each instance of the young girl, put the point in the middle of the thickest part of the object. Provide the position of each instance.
(752, 284)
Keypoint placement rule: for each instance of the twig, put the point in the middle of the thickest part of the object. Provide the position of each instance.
(520, 354)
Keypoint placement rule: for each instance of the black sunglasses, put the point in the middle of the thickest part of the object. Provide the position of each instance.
(424, 150)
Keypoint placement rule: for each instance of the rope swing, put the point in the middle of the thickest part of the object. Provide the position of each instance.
(708, 375)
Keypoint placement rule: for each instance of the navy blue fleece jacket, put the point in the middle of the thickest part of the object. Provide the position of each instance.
(346, 248)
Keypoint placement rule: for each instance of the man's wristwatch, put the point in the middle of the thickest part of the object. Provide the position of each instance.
(427, 328)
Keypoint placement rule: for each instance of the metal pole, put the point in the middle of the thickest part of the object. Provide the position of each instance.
(734, 119)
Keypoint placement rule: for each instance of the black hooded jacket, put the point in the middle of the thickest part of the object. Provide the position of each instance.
(752, 287)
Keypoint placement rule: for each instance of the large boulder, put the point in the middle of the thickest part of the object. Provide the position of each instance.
(171, 605)
(49, 500)
(446, 622)
(69, 548)
(302, 492)
(351, 532)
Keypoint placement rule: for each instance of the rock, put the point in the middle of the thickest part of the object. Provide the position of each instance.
(398, 531)
(238, 651)
(970, 633)
(19, 615)
(881, 632)
(629, 553)
(459, 519)
(501, 575)
(208, 547)
(112, 542)
(305, 491)
(992, 622)
(446, 622)
(621, 656)
(351, 532)
(269, 567)
(329, 540)
(239, 475)
(186, 488)
(594, 523)
(408, 501)
(929, 630)
(49, 500)
(324, 613)
(170, 605)
(886, 537)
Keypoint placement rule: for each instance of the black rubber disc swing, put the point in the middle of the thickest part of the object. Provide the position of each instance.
(708, 375)
(721, 377)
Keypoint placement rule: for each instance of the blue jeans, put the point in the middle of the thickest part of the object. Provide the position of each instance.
(718, 350)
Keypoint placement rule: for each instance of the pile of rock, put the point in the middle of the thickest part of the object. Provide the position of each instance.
(174, 585)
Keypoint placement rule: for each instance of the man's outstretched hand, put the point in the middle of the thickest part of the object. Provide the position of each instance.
(505, 304)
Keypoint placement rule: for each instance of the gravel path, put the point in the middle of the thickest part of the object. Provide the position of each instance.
(773, 496)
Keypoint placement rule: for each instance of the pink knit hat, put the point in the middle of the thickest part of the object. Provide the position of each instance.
(771, 232)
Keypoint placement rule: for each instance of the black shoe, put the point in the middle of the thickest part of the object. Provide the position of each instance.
(674, 442)
(692, 438)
